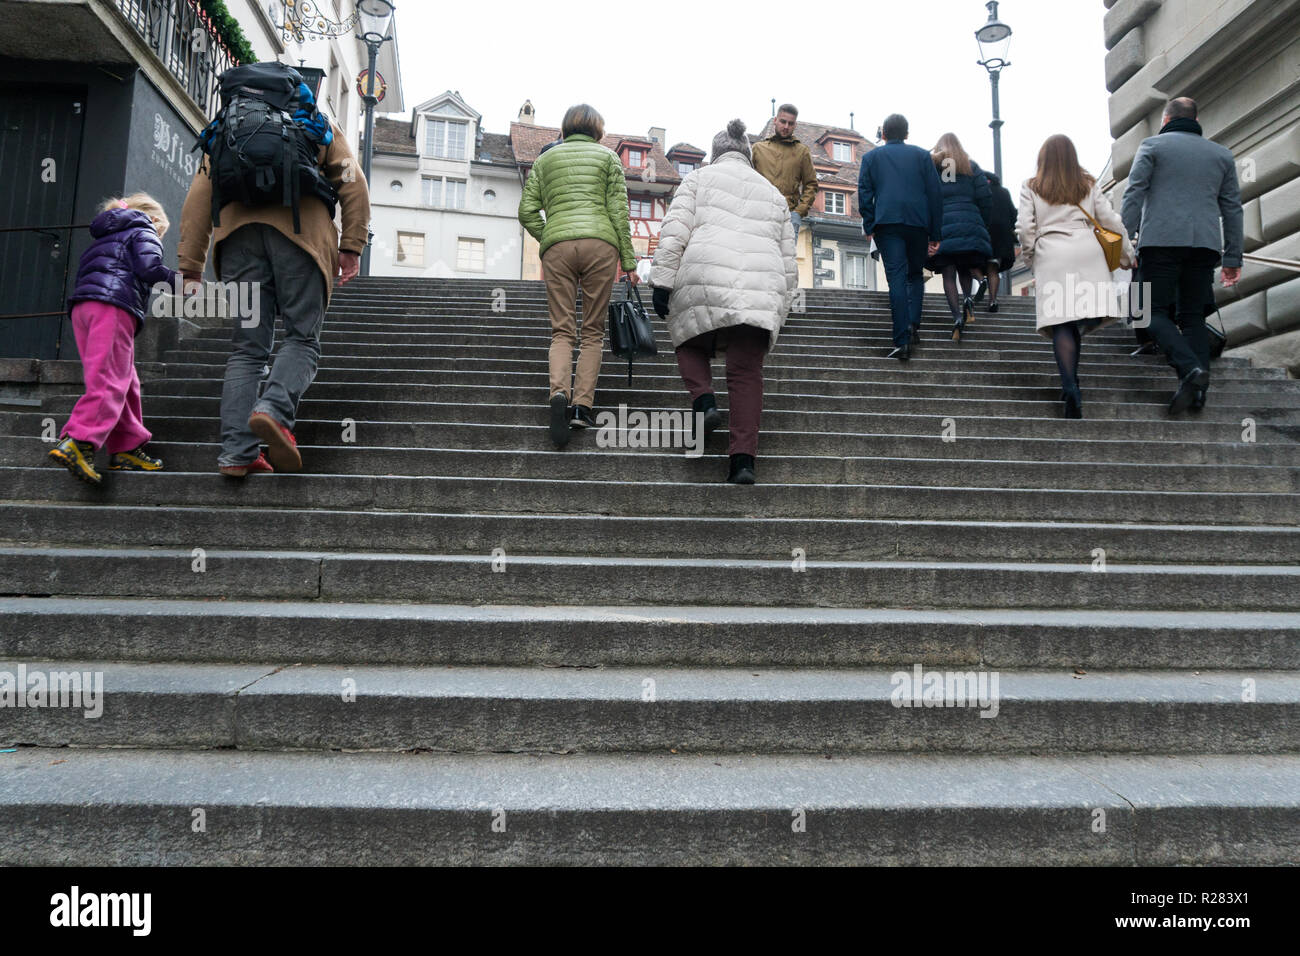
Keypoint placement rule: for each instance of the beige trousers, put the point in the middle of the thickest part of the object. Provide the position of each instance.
(591, 264)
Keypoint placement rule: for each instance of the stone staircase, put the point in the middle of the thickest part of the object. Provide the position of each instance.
(447, 642)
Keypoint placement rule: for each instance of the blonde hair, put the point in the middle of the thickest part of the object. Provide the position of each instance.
(583, 119)
(949, 150)
(145, 204)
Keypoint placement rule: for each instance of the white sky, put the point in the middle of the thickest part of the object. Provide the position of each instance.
(693, 71)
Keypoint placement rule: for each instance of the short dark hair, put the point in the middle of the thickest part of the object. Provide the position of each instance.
(583, 119)
(1184, 107)
(895, 126)
(788, 108)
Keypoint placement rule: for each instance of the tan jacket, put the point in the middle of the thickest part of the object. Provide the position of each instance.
(319, 236)
(788, 165)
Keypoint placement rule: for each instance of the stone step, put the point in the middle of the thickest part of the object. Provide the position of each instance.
(701, 538)
(312, 632)
(396, 493)
(509, 809)
(398, 387)
(475, 399)
(524, 578)
(431, 369)
(533, 437)
(641, 710)
(613, 464)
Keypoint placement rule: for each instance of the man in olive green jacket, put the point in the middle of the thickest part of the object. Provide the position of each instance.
(787, 164)
(585, 235)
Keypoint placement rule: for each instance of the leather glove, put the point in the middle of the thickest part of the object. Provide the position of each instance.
(660, 299)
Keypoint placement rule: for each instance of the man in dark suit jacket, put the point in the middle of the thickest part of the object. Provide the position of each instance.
(902, 209)
(1180, 187)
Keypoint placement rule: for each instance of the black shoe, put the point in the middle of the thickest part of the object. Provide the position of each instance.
(1198, 378)
(980, 289)
(1198, 402)
(1073, 399)
(560, 419)
(993, 306)
(742, 470)
(968, 310)
(902, 353)
(708, 406)
(1146, 348)
(580, 416)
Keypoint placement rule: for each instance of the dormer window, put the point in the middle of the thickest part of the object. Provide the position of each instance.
(444, 139)
(834, 203)
(635, 158)
(685, 168)
(842, 152)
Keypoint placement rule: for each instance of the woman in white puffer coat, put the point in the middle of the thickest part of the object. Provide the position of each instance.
(724, 276)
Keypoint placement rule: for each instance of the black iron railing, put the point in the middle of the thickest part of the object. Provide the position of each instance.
(183, 39)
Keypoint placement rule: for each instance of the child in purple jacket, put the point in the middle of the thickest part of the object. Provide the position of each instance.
(124, 261)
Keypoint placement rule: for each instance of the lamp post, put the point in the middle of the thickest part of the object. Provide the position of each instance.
(373, 17)
(994, 39)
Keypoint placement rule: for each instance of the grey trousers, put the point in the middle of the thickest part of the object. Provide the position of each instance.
(284, 281)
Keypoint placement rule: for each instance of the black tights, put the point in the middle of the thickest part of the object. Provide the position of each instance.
(1065, 345)
(994, 281)
(955, 298)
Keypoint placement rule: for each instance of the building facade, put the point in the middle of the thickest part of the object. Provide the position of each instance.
(444, 195)
(832, 251)
(1240, 60)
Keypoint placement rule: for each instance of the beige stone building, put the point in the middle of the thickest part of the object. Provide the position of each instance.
(1240, 60)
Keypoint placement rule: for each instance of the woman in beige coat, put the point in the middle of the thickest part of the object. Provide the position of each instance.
(1075, 292)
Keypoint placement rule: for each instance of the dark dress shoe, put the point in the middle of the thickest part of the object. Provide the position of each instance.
(1146, 348)
(902, 353)
(1073, 399)
(1195, 380)
(1198, 402)
(980, 289)
(742, 470)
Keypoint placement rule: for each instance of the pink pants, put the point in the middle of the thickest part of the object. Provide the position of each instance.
(109, 414)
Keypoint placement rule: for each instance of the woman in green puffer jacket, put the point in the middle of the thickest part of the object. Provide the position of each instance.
(585, 236)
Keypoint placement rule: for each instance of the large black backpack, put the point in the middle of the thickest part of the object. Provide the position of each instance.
(263, 144)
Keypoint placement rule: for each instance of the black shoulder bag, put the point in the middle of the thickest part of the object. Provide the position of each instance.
(631, 335)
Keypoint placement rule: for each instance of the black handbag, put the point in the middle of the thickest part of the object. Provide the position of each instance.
(631, 335)
(1218, 337)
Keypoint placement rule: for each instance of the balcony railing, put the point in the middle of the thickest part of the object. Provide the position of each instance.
(182, 37)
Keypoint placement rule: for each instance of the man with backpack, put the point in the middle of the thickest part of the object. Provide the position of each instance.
(267, 185)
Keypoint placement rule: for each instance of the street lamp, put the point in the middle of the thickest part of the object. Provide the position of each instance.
(373, 18)
(994, 39)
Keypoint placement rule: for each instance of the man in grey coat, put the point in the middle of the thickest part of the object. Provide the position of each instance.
(1180, 187)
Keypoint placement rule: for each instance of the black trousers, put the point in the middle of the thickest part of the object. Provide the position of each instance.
(1182, 288)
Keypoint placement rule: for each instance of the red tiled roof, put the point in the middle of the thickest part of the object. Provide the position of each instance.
(528, 140)
(393, 136)
(686, 148)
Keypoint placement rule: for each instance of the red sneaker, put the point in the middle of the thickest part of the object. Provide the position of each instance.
(242, 471)
(281, 446)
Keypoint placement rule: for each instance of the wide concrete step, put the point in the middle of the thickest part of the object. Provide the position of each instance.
(399, 387)
(312, 632)
(704, 537)
(1230, 417)
(668, 464)
(632, 710)
(98, 807)
(958, 375)
(531, 436)
(44, 482)
(507, 577)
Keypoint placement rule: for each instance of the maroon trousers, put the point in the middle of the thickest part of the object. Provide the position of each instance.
(746, 347)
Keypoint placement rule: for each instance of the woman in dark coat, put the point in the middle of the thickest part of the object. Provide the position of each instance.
(965, 249)
(1002, 234)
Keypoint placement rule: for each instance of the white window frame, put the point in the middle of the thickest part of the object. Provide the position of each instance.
(639, 161)
(849, 257)
(438, 146)
(435, 196)
(842, 202)
(406, 261)
(482, 243)
(846, 147)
